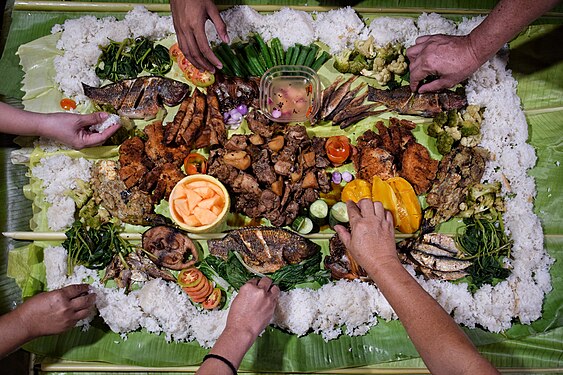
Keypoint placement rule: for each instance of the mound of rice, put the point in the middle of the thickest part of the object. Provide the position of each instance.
(59, 175)
(354, 305)
(339, 28)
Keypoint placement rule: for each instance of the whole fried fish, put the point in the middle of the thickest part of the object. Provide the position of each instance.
(139, 98)
(265, 249)
(405, 102)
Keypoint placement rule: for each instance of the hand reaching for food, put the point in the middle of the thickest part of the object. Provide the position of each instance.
(47, 313)
(189, 17)
(450, 58)
(371, 239)
(249, 314)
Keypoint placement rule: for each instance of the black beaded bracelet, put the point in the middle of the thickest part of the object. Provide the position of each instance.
(222, 359)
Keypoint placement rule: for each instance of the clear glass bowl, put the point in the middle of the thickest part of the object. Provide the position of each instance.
(290, 93)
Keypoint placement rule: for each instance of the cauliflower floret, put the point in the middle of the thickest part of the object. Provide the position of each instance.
(453, 132)
(471, 141)
(473, 113)
(366, 47)
(383, 77)
(398, 66)
(378, 64)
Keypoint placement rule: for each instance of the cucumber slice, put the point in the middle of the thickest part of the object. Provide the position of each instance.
(302, 225)
(318, 211)
(338, 214)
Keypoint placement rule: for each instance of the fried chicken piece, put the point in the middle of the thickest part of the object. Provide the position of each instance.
(375, 162)
(372, 159)
(131, 155)
(157, 151)
(418, 167)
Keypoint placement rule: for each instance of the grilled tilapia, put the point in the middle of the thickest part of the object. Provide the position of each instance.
(139, 98)
(405, 102)
(265, 249)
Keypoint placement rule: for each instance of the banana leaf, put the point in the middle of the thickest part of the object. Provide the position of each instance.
(387, 345)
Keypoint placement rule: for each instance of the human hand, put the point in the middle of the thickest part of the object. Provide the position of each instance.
(54, 312)
(371, 240)
(451, 58)
(252, 309)
(189, 17)
(73, 129)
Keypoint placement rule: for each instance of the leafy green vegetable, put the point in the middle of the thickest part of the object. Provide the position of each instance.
(485, 243)
(126, 59)
(304, 272)
(93, 247)
(288, 277)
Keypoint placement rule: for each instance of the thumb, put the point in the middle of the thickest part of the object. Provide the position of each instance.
(344, 235)
(436, 85)
(94, 118)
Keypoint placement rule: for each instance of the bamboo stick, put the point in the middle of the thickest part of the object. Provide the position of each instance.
(60, 236)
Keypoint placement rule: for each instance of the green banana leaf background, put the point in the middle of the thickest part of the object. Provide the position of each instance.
(536, 62)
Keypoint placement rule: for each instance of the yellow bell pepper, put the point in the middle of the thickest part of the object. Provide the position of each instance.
(382, 192)
(356, 190)
(408, 206)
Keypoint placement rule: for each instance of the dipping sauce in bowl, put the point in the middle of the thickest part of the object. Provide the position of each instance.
(199, 203)
(290, 93)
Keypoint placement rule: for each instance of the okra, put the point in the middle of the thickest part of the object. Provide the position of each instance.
(278, 49)
(264, 51)
(302, 55)
(320, 60)
(296, 53)
(310, 59)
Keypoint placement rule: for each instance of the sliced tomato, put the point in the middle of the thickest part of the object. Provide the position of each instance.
(338, 149)
(202, 296)
(213, 300)
(197, 288)
(175, 52)
(195, 163)
(200, 78)
(190, 277)
(67, 104)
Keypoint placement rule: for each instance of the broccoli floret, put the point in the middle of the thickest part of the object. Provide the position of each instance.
(444, 143)
(342, 61)
(358, 64)
(398, 66)
(441, 118)
(389, 52)
(81, 193)
(434, 129)
(453, 119)
(366, 47)
(469, 128)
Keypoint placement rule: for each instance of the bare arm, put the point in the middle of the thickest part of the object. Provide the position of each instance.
(68, 128)
(189, 17)
(432, 331)
(250, 313)
(454, 58)
(47, 313)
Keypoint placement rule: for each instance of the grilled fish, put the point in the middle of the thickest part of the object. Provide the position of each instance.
(405, 102)
(265, 249)
(440, 263)
(139, 98)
